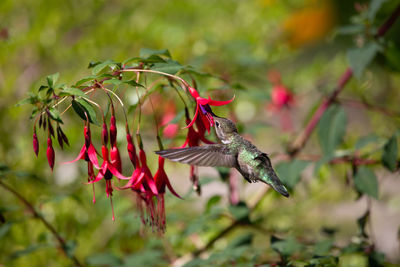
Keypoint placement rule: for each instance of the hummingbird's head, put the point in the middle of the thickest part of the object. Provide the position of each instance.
(224, 128)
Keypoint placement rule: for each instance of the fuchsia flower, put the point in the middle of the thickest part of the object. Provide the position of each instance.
(114, 154)
(50, 153)
(162, 181)
(280, 97)
(88, 152)
(203, 104)
(281, 100)
(35, 143)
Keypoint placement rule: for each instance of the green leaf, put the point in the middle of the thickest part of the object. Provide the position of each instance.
(170, 67)
(100, 67)
(362, 222)
(113, 81)
(52, 79)
(323, 247)
(360, 58)
(290, 172)
(212, 201)
(85, 80)
(366, 182)
(374, 7)
(5, 228)
(28, 250)
(240, 211)
(72, 91)
(55, 115)
(285, 247)
(81, 106)
(147, 52)
(133, 83)
(363, 141)
(105, 259)
(145, 258)
(243, 240)
(93, 64)
(389, 156)
(31, 99)
(129, 60)
(331, 129)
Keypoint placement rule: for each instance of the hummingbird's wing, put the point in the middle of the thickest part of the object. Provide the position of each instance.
(209, 155)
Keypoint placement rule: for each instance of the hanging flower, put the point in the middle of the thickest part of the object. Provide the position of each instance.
(50, 153)
(35, 143)
(162, 181)
(87, 152)
(281, 100)
(204, 105)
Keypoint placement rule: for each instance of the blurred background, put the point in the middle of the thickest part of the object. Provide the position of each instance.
(258, 46)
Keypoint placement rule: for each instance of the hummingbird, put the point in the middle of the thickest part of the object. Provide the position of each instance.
(234, 152)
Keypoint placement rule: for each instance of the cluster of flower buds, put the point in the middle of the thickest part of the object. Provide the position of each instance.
(45, 121)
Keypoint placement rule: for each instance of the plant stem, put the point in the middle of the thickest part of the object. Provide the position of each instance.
(37, 215)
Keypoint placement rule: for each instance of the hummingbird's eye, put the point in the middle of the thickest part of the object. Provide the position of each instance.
(217, 123)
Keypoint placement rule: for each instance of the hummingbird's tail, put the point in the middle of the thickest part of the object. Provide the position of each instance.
(275, 183)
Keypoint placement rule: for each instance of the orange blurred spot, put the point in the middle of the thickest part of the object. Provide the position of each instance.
(310, 23)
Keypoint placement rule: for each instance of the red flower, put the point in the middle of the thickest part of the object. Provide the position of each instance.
(280, 97)
(162, 181)
(88, 152)
(50, 153)
(132, 150)
(203, 104)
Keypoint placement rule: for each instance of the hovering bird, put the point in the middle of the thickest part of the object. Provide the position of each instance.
(234, 152)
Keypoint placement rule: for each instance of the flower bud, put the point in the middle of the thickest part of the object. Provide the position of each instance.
(131, 150)
(50, 153)
(51, 130)
(59, 138)
(35, 144)
(104, 134)
(113, 131)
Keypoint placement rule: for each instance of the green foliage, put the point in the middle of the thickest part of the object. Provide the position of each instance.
(226, 48)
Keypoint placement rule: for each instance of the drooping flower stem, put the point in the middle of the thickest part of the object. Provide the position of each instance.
(51, 228)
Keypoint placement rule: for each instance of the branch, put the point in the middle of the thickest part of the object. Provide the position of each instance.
(37, 215)
(305, 135)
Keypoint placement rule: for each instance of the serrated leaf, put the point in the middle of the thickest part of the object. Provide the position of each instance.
(360, 58)
(389, 156)
(153, 59)
(366, 182)
(170, 67)
(147, 52)
(331, 129)
(72, 91)
(55, 115)
(52, 79)
(81, 106)
(290, 172)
